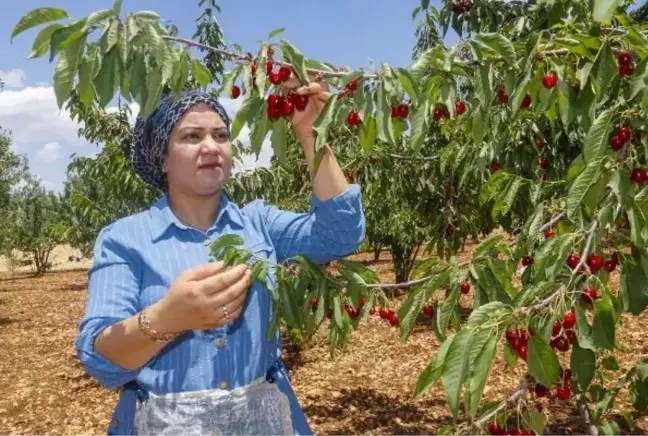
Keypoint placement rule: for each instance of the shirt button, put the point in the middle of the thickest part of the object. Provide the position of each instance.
(206, 242)
(220, 342)
(223, 384)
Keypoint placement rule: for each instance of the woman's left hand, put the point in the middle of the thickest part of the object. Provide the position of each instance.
(318, 95)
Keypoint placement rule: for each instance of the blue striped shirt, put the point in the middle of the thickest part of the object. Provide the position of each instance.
(136, 260)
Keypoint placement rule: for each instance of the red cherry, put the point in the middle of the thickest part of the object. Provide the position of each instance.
(524, 335)
(394, 112)
(495, 166)
(353, 119)
(403, 110)
(460, 107)
(625, 133)
(562, 344)
(494, 428)
(589, 295)
(550, 80)
(329, 315)
(446, 113)
(375, 160)
(352, 85)
(538, 144)
(541, 391)
(616, 142)
(236, 92)
(573, 260)
(300, 179)
(563, 393)
(284, 73)
(638, 176)
(609, 266)
(384, 313)
(314, 301)
(287, 109)
(274, 111)
(269, 66)
(465, 287)
(557, 328)
(522, 352)
(438, 114)
(511, 335)
(543, 162)
(527, 260)
(549, 234)
(565, 375)
(372, 311)
(465, 7)
(301, 101)
(626, 69)
(571, 336)
(428, 311)
(594, 262)
(275, 78)
(570, 320)
(501, 95)
(625, 58)
(526, 102)
(362, 302)
(393, 320)
(350, 177)
(615, 258)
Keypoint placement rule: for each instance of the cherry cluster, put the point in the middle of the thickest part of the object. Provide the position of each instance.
(562, 334)
(460, 7)
(622, 138)
(626, 66)
(495, 429)
(518, 339)
(389, 315)
(285, 106)
(563, 389)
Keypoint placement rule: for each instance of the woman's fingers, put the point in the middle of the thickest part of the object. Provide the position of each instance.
(219, 282)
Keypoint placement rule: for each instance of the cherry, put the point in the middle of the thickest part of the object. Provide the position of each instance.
(563, 393)
(524, 335)
(625, 58)
(300, 179)
(465, 287)
(352, 85)
(301, 101)
(375, 160)
(616, 142)
(465, 7)
(269, 66)
(494, 428)
(526, 102)
(394, 112)
(275, 78)
(274, 111)
(362, 301)
(557, 328)
(589, 295)
(353, 119)
(625, 133)
(236, 92)
(538, 144)
(638, 176)
(393, 320)
(573, 260)
(550, 80)
(615, 258)
(549, 234)
(609, 265)
(501, 95)
(595, 262)
(571, 336)
(428, 311)
(314, 301)
(541, 391)
(350, 177)
(372, 311)
(274, 100)
(460, 107)
(626, 69)
(570, 320)
(522, 352)
(403, 110)
(384, 313)
(284, 73)
(287, 109)
(565, 375)
(511, 335)
(527, 260)
(329, 315)
(438, 114)
(543, 162)
(562, 344)
(495, 166)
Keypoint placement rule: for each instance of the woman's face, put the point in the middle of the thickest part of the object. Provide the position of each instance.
(199, 158)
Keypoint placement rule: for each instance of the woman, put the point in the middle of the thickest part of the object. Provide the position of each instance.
(184, 338)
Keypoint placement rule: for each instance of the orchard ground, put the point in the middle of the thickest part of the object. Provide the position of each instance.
(367, 389)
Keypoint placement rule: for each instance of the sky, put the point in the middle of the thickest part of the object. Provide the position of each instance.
(358, 33)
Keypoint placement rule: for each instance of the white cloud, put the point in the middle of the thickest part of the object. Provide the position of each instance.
(50, 152)
(13, 78)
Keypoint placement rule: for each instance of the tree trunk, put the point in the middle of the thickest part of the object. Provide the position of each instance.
(376, 252)
(400, 260)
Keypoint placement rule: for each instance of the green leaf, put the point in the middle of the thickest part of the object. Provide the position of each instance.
(455, 368)
(323, 123)
(604, 70)
(228, 81)
(409, 84)
(482, 369)
(447, 309)
(510, 356)
(42, 41)
(87, 71)
(604, 10)
(598, 136)
(480, 315)
(98, 16)
(535, 421)
(110, 36)
(542, 361)
(250, 105)
(337, 310)
(433, 371)
(200, 73)
(368, 135)
(65, 36)
(278, 139)
(409, 311)
(276, 32)
(500, 45)
(35, 17)
(634, 287)
(603, 327)
(420, 123)
(295, 58)
(580, 187)
(164, 58)
(224, 241)
(610, 363)
(117, 6)
(383, 115)
(505, 202)
(147, 15)
(583, 364)
(106, 81)
(63, 76)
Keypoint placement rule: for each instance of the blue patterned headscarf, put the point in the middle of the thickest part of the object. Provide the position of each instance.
(151, 137)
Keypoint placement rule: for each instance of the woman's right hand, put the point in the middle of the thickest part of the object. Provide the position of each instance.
(196, 299)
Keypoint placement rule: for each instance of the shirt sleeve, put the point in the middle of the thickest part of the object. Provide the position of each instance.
(112, 297)
(332, 229)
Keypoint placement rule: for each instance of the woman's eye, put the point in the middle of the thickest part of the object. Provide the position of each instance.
(192, 136)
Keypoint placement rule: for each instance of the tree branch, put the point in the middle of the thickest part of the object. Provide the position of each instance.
(582, 407)
(514, 397)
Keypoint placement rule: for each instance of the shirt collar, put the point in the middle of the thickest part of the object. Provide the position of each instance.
(162, 217)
